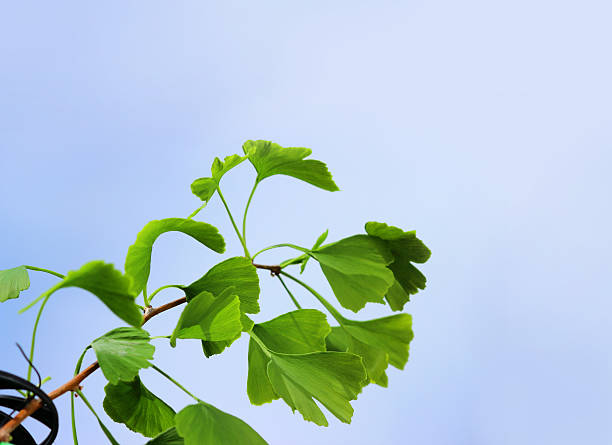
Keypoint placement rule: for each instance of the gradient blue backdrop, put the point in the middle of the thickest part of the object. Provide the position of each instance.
(483, 125)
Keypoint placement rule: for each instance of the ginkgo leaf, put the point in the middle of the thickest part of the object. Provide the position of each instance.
(203, 424)
(237, 272)
(122, 352)
(406, 248)
(356, 269)
(296, 332)
(332, 378)
(391, 334)
(375, 360)
(132, 404)
(204, 188)
(13, 281)
(138, 260)
(271, 159)
(106, 283)
(168, 437)
(208, 318)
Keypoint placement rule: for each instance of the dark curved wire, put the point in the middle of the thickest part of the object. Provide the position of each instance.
(47, 414)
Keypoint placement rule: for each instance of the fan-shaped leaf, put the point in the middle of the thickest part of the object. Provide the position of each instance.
(296, 332)
(332, 378)
(405, 248)
(106, 283)
(208, 318)
(139, 409)
(13, 281)
(271, 159)
(203, 424)
(378, 342)
(122, 352)
(138, 260)
(356, 268)
(375, 360)
(237, 272)
(204, 188)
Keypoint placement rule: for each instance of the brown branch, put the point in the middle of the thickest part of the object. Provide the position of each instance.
(274, 270)
(74, 383)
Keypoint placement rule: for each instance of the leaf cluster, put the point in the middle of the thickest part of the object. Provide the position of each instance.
(297, 357)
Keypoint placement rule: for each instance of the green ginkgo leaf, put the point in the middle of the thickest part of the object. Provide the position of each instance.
(13, 281)
(406, 248)
(332, 378)
(203, 424)
(290, 361)
(138, 260)
(237, 272)
(356, 269)
(168, 437)
(108, 284)
(379, 342)
(132, 404)
(391, 334)
(122, 352)
(271, 159)
(375, 360)
(208, 318)
(204, 188)
(296, 332)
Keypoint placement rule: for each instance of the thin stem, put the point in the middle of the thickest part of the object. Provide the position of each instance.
(229, 213)
(77, 369)
(332, 310)
(75, 438)
(40, 269)
(289, 292)
(42, 306)
(104, 428)
(276, 246)
(196, 211)
(246, 209)
(144, 295)
(176, 383)
(178, 286)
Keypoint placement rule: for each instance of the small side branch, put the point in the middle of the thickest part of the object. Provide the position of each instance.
(73, 384)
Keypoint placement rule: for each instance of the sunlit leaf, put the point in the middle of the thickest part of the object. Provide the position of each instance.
(204, 188)
(168, 437)
(392, 334)
(208, 318)
(237, 272)
(122, 352)
(296, 332)
(406, 248)
(132, 404)
(138, 260)
(332, 378)
(291, 354)
(378, 342)
(13, 281)
(375, 360)
(106, 283)
(356, 269)
(271, 159)
(203, 424)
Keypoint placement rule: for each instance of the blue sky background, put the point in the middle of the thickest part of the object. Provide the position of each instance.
(483, 125)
